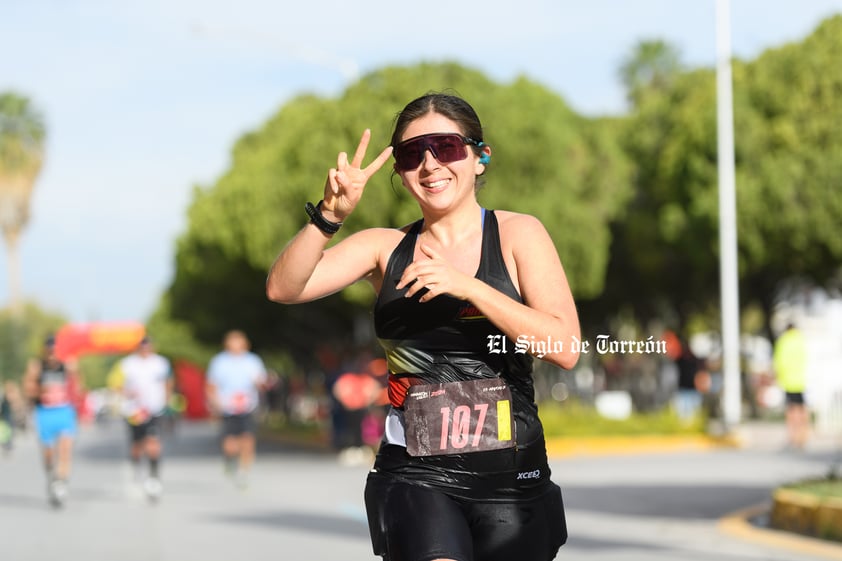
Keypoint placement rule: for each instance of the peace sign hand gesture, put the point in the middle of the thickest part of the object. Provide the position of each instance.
(346, 182)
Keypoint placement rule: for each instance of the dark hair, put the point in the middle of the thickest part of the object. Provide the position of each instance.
(453, 107)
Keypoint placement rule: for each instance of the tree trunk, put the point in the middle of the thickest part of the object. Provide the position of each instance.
(13, 261)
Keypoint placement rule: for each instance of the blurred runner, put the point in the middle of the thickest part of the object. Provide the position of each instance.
(145, 391)
(47, 384)
(790, 363)
(234, 381)
(7, 417)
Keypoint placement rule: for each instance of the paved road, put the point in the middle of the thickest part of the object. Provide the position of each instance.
(305, 505)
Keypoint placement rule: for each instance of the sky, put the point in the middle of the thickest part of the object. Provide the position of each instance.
(143, 101)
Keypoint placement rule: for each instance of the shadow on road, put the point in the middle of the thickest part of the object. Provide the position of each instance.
(15, 501)
(668, 501)
(621, 546)
(304, 521)
(626, 548)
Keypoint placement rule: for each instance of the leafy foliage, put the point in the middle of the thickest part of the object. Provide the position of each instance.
(790, 162)
(573, 419)
(652, 66)
(664, 254)
(789, 166)
(22, 134)
(22, 336)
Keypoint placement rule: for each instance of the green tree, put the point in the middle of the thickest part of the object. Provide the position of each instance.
(652, 66)
(790, 163)
(22, 134)
(664, 253)
(547, 160)
(22, 335)
(789, 166)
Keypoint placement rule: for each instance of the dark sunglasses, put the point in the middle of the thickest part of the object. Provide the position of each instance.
(445, 147)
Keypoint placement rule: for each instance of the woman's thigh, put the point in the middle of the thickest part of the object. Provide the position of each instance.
(414, 523)
(531, 530)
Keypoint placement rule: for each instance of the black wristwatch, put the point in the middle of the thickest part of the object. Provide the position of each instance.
(317, 218)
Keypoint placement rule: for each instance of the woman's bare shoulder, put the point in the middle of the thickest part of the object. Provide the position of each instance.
(518, 223)
(379, 240)
(380, 236)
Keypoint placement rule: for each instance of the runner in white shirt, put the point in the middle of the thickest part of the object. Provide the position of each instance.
(146, 389)
(235, 378)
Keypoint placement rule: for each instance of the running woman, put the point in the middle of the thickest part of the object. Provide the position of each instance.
(47, 383)
(462, 471)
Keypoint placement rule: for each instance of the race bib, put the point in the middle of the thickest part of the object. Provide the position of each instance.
(458, 417)
(133, 411)
(139, 416)
(54, 394)
(239, 403)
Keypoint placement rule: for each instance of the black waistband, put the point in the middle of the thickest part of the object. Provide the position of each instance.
(507, 474)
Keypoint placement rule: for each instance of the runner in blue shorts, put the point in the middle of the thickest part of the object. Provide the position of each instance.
(47, 383)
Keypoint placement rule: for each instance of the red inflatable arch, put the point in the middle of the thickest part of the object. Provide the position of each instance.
(76, 339)
(122, 337)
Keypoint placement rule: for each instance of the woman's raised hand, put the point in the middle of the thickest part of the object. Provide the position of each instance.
(346, 182)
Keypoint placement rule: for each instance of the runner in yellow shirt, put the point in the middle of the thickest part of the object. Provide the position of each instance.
(790, 362)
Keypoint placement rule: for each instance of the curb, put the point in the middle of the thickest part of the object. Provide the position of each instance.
(737, 524)
(566, 447)
(569, 447)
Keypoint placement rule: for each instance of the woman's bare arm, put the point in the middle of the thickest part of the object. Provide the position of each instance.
(305, 270)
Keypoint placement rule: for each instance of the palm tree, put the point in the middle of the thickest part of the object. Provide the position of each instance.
(22, 135)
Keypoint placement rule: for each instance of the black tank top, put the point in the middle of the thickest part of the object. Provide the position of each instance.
(54, 386)
(446, 340)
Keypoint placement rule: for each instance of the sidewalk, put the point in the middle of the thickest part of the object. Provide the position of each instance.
(756, 435)
(562, 447)
(771, 436)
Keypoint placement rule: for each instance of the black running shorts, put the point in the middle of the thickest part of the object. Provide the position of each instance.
(237, 425)
(411, 522)
(794, 398)
(145, 430)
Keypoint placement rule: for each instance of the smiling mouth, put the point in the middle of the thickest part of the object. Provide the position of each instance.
(436, 185)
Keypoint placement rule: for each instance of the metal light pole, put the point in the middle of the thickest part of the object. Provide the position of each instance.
(729, 283)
